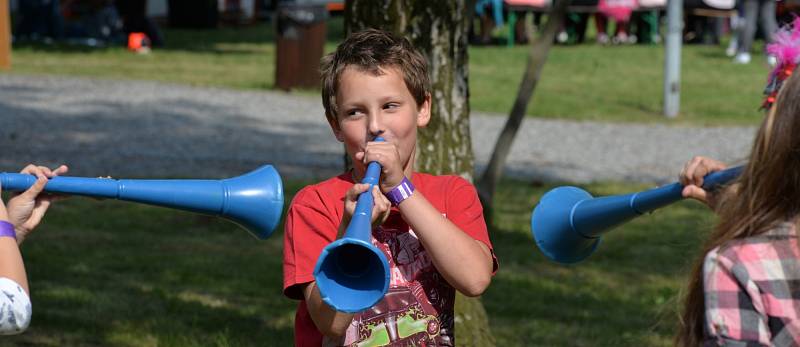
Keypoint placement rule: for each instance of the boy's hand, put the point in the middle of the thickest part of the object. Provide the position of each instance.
(387, 155)
(692, 178)
(26, 210)
(380, 211)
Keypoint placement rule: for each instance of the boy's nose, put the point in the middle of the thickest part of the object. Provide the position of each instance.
(375, 126)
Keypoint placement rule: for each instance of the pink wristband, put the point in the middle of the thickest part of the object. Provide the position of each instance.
(7, 230)
(401, 192)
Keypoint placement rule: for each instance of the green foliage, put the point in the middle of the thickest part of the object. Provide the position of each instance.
(582, 82)
(111, 273)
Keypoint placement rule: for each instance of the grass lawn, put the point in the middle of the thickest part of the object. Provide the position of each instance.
(107, 273)
(120, 274)
(583, 82)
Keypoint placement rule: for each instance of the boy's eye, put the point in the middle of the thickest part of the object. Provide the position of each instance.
(352, 113)
(391, 105)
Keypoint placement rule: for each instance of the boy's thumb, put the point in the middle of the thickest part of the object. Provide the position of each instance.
(36, 188)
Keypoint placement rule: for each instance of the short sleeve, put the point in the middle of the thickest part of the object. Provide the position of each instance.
(734, 312)
(464, 209)
(15, 308)
(308, 229)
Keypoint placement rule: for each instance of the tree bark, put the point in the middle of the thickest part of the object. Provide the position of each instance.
(439, 29)
(537, 57)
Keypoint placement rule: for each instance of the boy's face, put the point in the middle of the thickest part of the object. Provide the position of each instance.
(370, 106)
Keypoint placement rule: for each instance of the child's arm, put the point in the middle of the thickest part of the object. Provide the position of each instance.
(24, 213)
(464, 262)
(15, 307)
(330, 322)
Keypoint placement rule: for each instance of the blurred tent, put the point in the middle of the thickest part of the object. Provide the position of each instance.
(83, 22)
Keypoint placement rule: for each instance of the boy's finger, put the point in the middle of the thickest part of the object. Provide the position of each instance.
(29, 169)
(693, 172)
(699, 175)
(37, 171)
(694, 192)
(60, 170)
(36, 188)
(359, 155)
(38, 213)
(378, 199)
(46, 171)
(41, 206)
(717, 166)
(682, 176)
(357, 189)
(376, 195)
(375, 156)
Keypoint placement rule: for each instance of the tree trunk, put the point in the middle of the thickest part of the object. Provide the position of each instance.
(439, 30)
(537, 57)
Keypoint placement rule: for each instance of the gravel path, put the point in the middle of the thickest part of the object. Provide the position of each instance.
(147, 129)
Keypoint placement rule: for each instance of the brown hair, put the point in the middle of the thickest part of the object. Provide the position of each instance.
(767, 193)
(370, 51)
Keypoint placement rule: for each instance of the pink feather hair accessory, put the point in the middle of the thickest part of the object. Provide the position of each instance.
(786, 50)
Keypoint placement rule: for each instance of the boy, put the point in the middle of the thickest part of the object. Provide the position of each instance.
(435, 239)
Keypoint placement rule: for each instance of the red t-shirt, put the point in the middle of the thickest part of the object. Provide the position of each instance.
(418, 308)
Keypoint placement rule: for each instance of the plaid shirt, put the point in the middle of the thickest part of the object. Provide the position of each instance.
(752, 290)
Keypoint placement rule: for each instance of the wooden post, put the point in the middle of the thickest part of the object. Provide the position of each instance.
(5, 35)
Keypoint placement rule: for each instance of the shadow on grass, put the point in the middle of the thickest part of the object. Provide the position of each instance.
(625, 294)
(715, 53)
(120, 274)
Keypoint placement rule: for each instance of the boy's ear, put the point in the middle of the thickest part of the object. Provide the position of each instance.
(337, 132)
(424, 114)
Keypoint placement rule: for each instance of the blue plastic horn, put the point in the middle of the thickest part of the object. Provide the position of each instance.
(353, 275)
(568, 222)
(253, 200)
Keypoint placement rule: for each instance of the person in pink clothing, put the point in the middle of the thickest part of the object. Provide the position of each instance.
(745, 289)
(619, 11)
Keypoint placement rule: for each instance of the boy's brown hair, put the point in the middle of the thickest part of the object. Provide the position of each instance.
(370, 51)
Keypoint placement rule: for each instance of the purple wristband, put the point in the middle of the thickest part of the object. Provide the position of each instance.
(7, 230)
(401, 192)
